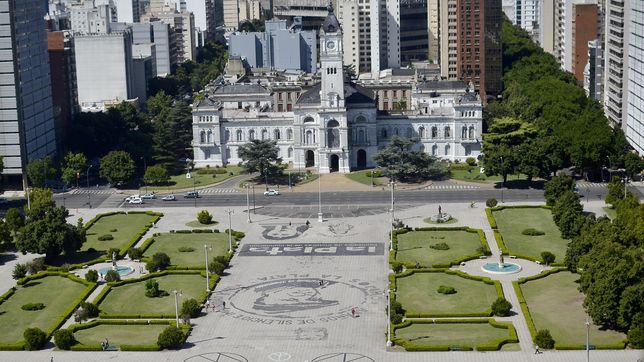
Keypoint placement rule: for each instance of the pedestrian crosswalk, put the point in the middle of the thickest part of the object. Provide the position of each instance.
(452, 187)
(91, 191)
(586, 184)
(218, 191)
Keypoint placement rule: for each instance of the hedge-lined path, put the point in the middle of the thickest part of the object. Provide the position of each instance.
(90, 298)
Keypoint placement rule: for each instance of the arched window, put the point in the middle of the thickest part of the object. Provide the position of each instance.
(464, 132)
(361, 136)
(434, 150)
(251, 134)
(264, 134)
(290, 152)
(227, 135)
(289, 134)
(209, 136)
(383, 133)
(448, 132)
(421, 132)
(309, 120)
(202, 137)
(472, 132)
(276, 135)
(227, 152)
(410, 132)
(309, 137)
(361, 119)
(434, 132)
(468, 150)
(447, 150)
(240, 135)
(333, 134)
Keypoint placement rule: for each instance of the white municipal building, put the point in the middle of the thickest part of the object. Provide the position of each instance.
(335, 125)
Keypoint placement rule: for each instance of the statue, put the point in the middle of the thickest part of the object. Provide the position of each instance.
(440, 211)
(114, 260)
(501, 261)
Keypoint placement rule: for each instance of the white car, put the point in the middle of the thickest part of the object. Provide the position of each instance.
(168, 198)
(130, 198)
(136, 201)
(271, 193)
(149, 196)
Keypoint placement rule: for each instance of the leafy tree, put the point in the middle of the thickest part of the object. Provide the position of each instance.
(255, 25)
(159, 261)
(633, 164)
(64, 339)
(191, 308)
(156, 175)
(48, 232)
(404, 164)
(567, 213)
(5, 233)
(216, 267)
(73, 165)
(152, 288)
(19, 271)
(117, 166)
(259, 156)
(91, 308)
(172, 135)
(636, 332)
(204, 217)
(91, 276)
(544, 339)
(547, 257)
(615, 191)
(556, 187)
(171, 338)
(491, 202)
(135, 253)
(35, 339)
(14, 219)
(581, 244)
(38, 171)
(112, 276)
(40, 199)
(501, 307)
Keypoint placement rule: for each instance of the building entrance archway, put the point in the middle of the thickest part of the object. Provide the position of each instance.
(310, 158)
(334, 163)
(362, 159)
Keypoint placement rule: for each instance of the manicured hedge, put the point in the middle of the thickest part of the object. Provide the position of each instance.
(124, 347)
(499, 242)
(19, 346)
(86, 347)
(6, 295)
(490, 218)
(490, 346)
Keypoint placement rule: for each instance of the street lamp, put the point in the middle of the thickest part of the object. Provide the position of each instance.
(388, 319)
(206, 248)
(392, 184)
(247, 187)
(145, 167)
(625, 183)
(289, 181)
(89, 194)
(177, 294)
(230, 230)
(320, 216)
(502, 178)
(587, 340)
(391, 231)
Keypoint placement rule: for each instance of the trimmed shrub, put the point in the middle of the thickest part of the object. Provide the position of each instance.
(491, 202)
(532, 232)
(471, 161)
(636, 336)
(90, 308)
(186, 249)
(159, 261)
(501, 307)
(222, 259)
(397, 312)
(19, 271)
(35, 339)
(204, 217)
(64, 339)
(216, 267)
(80, 315)
(547, 257)
(135, 253)
(171, 338)
(397, 267)
(113, 230)
(33, 306)
(151, 288)
(113, 252)
(191, 308)
(112, 276)
(544, 339)
(36, 266)
(106, 237)
(396, 318)
(443, 289)
(91, 276)
(440, 246)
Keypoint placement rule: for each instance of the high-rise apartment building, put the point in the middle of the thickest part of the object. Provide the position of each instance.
(26, 115)
(478, 52)
(594, 71)
(547, 26)
(447, 38)
(360, 22)
(414, 31)
(527, 15)
(634, 129)
(433, 21)
(584, 29)
(64, 90)
(127, 11)
(90, 18)
(182, 24)
(616, 37)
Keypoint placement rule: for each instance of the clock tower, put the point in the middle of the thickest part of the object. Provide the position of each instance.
(332, 89)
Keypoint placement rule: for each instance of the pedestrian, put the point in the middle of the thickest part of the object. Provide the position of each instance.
(353, 312)
(207, 305)
(103, 346)
(536, 350)
(107, 343)
(289, 223)
(223, 304)
(52, 359)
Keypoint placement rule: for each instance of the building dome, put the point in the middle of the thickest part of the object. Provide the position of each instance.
(331, 23)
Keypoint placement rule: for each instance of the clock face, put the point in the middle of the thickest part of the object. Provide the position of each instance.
(330, 45)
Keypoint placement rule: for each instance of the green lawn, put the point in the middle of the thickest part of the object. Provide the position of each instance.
(415, 246)
(170, 243)
(127, 226)
(364, 177)
(130, 299)
(120, 334)
(511, 222)
(418, 294)
(556, 304)
(455, 334)
(473, 174)
(55, 292)
(179, 182)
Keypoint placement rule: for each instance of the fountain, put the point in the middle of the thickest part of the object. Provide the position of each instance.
(501, 267)
(122, 270)
(441, 217)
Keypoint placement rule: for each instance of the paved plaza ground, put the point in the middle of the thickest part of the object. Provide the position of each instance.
(286, 302)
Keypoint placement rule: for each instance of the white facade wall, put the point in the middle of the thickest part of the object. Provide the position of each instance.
(103, 68)
(635, 107)
(615, 60)
(90, 18)
(127, 11)
(393, 33)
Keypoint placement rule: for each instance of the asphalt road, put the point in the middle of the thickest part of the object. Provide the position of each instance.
(328, 198)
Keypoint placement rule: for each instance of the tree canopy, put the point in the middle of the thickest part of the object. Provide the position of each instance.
(41, 170)
(73, 165)
(117, 167)
(405, 164)
(260, 156)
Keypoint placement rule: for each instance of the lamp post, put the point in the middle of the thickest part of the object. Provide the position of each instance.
(194, 189)
(625, 183)
(502, 178)
(320, 216)
(145, 167)
(371, 178)
(289, 181)
(177, 294)
(89, 194)
(388, 319)
(247, 187)
(392, 184)
(230, 230)
(587, 340)
(391, 231)
(205, 248)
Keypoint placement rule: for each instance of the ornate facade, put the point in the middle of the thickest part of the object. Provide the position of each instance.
(335, 125)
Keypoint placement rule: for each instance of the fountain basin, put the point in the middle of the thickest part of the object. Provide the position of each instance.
(497, 268)
(441, 218)
(121, 269)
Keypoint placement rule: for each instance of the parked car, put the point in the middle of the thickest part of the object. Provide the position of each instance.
(168, 198)
(271, 193)
(130, 198)
(149, 196)
(191, 195)
(136, 201)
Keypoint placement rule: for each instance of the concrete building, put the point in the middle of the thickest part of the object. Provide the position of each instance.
(62, 66)
(414, 31)
(27, 126)
(509, 9)
(279, 47)
(88, 17)
(617, 36)
(360, 21)
(104, 69)
(585, 29)
(231, 15)
(634, 129)
(335, 125)
(127, 11)
(448, 38)
(433, 21)
(312, 12)
(594, 71)
(249, 10)
(182, 24)
(547, 29)
(528, 15)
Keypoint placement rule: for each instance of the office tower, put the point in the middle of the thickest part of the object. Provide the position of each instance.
(594, 71)
(615, 60)
(414, 31)
(635, 87)
(127, 11)
(447, 38)
(433, 21)
(26, 115)
(360, 22)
